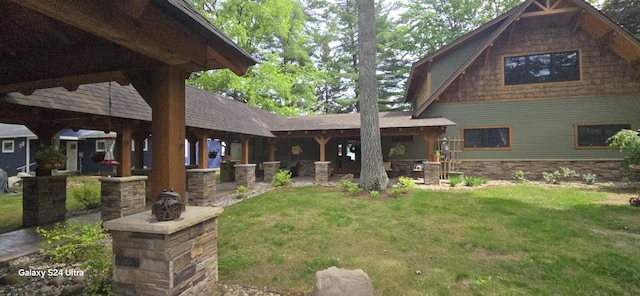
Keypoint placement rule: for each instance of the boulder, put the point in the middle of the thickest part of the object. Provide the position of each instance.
(339, 281)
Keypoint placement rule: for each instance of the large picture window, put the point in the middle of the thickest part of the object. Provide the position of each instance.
(540, 68)
(596, 135)
(487, 138)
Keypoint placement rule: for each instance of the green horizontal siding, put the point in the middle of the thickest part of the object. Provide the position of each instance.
(416, 150)
(541, 129)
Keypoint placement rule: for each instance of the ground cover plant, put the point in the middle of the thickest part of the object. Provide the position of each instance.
(507, 240)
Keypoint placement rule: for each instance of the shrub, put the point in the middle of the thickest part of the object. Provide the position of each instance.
(77, 242)
(406, 183)
(627, 141)
(348, 184)
(374, 193)
(475, 181)
(395, 192)
(355, 190)
(454, 181)
(557, 176)
(589, 178)
(88, 194)
(242, 191)
(281, 178)
(568, 173)
(520, 176)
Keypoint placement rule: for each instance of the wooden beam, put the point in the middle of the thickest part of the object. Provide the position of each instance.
(551, 12)
(245, 148)
(203, 150)
(543, 7)
(153, 33)
(124, 148)
(272, 148)
(322, 141)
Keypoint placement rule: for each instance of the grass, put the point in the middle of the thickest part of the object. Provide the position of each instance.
(491, 241)
(11, 205)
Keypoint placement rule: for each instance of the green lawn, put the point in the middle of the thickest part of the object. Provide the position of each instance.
(493, 241)
(11, 205)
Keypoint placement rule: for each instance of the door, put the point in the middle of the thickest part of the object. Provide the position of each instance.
(72, 155)
(236, 151)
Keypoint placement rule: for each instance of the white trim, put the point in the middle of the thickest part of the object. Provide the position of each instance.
(104, 146)
(8, 150)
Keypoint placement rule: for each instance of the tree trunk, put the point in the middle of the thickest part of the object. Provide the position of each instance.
(372, 173)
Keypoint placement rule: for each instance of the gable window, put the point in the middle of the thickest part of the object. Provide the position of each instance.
(8, 146)
(487, 138)
(540, 68)
(596, 135)
(101, 146)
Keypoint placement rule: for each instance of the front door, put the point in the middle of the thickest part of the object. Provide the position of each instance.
(72, 155)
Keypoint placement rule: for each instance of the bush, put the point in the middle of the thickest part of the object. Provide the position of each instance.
(77, 242)
(347, 185)
(520, 176)
(627, 141)
(454, 181)
(88, 194)
(242, 191)
(557, 176)
(407, 183)
(374, 193)
(589, 178)
(281, 178)
(355, 190)
(475, 181)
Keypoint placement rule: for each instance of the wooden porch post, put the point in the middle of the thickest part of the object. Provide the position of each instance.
(430, 138)
(203, 151)
(193, 142)
(272, 149)
(124, 147)
(163, 89)
(322, 141)
(245, 148)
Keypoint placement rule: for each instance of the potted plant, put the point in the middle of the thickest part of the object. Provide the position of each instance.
(213, 153)
(50, 158)
(296, 150)
(398, 149)
(436, 156)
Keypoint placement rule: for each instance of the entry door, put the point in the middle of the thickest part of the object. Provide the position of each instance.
(72, 155)
(236, 151)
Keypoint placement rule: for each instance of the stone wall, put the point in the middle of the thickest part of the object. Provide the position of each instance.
(147, 173)
(227, 172)
(322, 171)
(122, 196)
(43, 200)
(605, 170)
(245, 175)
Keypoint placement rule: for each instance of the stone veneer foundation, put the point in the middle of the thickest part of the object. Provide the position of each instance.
(122, 196)
(201, 186)
(322, 171)
(166, 258)
(43, 200)
(245, 175)
(270, 170)
(605, 170)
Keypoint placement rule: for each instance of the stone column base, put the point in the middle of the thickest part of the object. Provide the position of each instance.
(245, 175)
(147, 173)
(122, 196)
(166, 258)
(431, 173)
(270, 170)
(44, 200)
(201, 186)
(227, 172)
(322, 171)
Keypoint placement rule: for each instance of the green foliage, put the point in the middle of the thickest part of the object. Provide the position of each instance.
(77, 242)
(455, 180)
(625, 13)
(242, 189)
(520, 176)
(281, 178)
(627, 141)
(475, 181)
(589, 178)
(374, 193)
(88, 194)
(355, 190)
(557, 176)
(406, 183)
(347, 184)
(98, 156)
(50, 154)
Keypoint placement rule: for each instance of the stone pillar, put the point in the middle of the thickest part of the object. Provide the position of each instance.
(201, 186)
(122, 196)
(270, 170)
(227, 172)
(44, 200)
(322, 171)
(166, 258)
(245, 175)
(147, 173)
(431, 173)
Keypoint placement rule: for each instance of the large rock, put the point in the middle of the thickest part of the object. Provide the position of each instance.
(339, 282)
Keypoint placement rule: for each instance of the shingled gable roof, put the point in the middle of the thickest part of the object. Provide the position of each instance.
(204, 109)
(593, 21)
(389, 119)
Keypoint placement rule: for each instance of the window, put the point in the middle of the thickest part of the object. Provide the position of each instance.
(8, 146)
(540, 68)
(487, 138)
(101, 145)
(596, 135)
